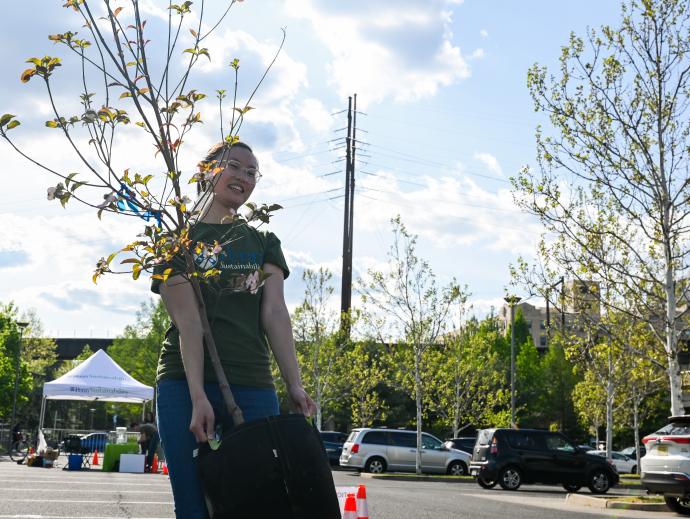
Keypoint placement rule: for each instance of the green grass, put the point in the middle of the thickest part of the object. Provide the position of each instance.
(639, 499)
(413, 475)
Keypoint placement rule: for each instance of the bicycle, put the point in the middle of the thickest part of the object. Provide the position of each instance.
(19, 449)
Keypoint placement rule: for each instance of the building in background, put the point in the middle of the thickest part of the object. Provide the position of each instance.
(579, 300)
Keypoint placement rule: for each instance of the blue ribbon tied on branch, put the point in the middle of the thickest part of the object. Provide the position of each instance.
(127, 199)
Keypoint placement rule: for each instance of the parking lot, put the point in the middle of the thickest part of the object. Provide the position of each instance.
(37, 493)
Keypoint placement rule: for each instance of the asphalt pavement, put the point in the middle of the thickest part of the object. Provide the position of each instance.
(37, 493)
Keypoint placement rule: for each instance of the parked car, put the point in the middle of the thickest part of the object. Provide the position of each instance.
(630, 452)
(94, 441)
(333, 443)
(379, 450)
(624, 464)
(465, 444)
(511, 457)
(665, 469)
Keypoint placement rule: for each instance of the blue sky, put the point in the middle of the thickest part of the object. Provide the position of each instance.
(443, 86)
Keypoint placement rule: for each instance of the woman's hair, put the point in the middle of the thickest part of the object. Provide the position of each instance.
(220, 150)
(204, 188)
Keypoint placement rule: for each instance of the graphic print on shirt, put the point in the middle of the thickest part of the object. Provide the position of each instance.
(243, 267)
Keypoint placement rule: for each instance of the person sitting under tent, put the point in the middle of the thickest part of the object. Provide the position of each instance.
(148, 440)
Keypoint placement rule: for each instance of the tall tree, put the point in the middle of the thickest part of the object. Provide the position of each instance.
(39, 357)
(412, 308)
(589, 400)
(466, 385)
(367, 372)
(36, 356)
(319, 351)
(559, 382)
(619, 154)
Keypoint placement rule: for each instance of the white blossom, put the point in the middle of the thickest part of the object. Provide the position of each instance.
(107, 200)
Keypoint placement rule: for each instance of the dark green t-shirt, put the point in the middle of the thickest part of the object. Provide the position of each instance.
(235, 317)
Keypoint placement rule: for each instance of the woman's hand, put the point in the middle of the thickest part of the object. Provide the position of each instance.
(203, 420)
(300, 401)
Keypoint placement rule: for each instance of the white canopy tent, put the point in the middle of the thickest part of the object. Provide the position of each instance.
(97, 378)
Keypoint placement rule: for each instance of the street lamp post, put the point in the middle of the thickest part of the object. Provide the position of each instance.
(17, 364)
(512, 301)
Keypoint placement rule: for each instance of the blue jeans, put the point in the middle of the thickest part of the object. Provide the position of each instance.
(174, 410)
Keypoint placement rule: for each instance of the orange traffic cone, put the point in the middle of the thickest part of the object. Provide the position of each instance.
(154, 465)
(350, 507)
(95, 458)
(165, 468)
(362, 507)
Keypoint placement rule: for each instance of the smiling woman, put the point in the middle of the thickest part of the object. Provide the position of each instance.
(246, 308)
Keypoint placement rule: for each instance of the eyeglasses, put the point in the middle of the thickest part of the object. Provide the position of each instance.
(235, 168)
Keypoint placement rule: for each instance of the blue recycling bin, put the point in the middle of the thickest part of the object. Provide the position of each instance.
(74, 461)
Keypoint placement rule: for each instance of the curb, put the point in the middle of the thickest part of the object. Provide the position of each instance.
(607, 502)
(451, 479)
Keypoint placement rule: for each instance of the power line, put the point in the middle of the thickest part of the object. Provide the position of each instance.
(521, 229)
(446, 201)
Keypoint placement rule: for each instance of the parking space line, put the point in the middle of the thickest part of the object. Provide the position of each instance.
(104, 502)
(38, 516)
(62, 482)
(82, 491)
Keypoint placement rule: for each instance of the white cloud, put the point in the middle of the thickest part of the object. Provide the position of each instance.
(490, 162)
(313, 111)
(452, 211)
(385, 49)
(484, 33)
(477, 54)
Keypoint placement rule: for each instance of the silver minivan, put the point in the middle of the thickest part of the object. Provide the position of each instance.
(378, 450)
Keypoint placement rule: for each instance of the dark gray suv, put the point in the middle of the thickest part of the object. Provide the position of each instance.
(511, 457)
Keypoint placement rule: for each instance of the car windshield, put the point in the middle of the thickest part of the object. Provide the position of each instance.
(675, 429)
(484, 436)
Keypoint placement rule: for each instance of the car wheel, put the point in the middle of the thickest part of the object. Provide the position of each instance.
(486, 484)
(599, 482)
(634, 469)
(680, 505)
(510, 478)
(571, 487)
(375, 465)
(457, 468)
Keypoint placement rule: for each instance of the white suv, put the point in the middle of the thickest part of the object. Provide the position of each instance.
(665, 469)
(378, 450)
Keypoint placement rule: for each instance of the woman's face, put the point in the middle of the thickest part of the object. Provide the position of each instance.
(235, 183)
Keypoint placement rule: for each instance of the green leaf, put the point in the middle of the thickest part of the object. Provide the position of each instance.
(52, 124)
(13, 124)
(125, 94)
(5, 119)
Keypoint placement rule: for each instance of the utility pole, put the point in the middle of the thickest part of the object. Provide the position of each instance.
(17, 367)
(348, 217)
(512, 301)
